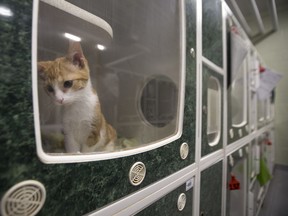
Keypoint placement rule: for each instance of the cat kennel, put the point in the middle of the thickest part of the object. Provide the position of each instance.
(160, 71)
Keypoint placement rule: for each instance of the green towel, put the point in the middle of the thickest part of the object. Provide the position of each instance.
(264, 176)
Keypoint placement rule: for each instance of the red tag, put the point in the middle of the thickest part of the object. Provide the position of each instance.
(261, 69)
(234, 184)
(234, 29)
(268, 142)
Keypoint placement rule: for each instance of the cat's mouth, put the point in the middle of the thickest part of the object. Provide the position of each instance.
(60, 101)
(58, 104)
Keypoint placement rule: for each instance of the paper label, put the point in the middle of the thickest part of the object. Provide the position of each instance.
(189, 184)
(268, 81)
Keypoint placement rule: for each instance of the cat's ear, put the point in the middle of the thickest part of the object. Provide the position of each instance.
(41, 68)
(75, 54)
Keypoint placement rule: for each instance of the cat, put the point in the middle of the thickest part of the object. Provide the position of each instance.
(67, 81)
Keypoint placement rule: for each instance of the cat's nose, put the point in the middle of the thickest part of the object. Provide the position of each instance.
(60, 100)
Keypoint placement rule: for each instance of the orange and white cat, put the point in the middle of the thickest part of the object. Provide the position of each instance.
(67, 81)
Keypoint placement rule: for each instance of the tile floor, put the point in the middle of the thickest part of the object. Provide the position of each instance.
(276, 201)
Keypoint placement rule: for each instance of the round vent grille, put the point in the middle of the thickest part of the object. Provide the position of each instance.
(158, 101)
(181, 201)
(184, 150)
(137, 173)
(25, 198)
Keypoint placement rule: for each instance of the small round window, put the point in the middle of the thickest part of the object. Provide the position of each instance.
(158, 101)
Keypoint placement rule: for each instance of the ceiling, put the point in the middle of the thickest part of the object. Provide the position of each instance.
(259, 18)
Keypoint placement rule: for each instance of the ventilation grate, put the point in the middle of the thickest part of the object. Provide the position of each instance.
(137, 173)
(181, 201)
(184, 151)
(25, 198)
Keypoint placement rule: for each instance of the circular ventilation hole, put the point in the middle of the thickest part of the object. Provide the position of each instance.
(184, 150)
(159, 101)
(181, 201)
(137, 173)
(25, 198)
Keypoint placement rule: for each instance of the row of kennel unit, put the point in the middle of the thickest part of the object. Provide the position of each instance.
(249, 170)
(165, 75)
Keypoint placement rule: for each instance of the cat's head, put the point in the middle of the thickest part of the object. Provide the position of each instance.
(65, 78)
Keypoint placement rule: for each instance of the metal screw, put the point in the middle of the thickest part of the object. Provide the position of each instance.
(204, 109)
(192, 52)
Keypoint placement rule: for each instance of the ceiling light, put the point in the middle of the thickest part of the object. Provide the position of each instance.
(72, 37)
(4, 11)
(100, 47)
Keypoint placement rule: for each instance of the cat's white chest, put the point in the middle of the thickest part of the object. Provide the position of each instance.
(78, 117)
(79, 112)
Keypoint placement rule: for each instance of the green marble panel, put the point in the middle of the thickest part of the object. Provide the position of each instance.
(167, 205)
(212, 31)
(235, 198)
(189, 122)
(211, 191)
(72, 189)
(205, 147)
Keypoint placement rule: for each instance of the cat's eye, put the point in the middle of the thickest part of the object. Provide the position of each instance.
(50, 88)
(68, 84)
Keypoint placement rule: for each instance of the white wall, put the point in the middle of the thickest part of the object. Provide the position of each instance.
(274, 50)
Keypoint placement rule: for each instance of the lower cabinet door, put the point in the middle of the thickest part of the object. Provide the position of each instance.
(177, 202)
(237, 183)
(211, 190)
